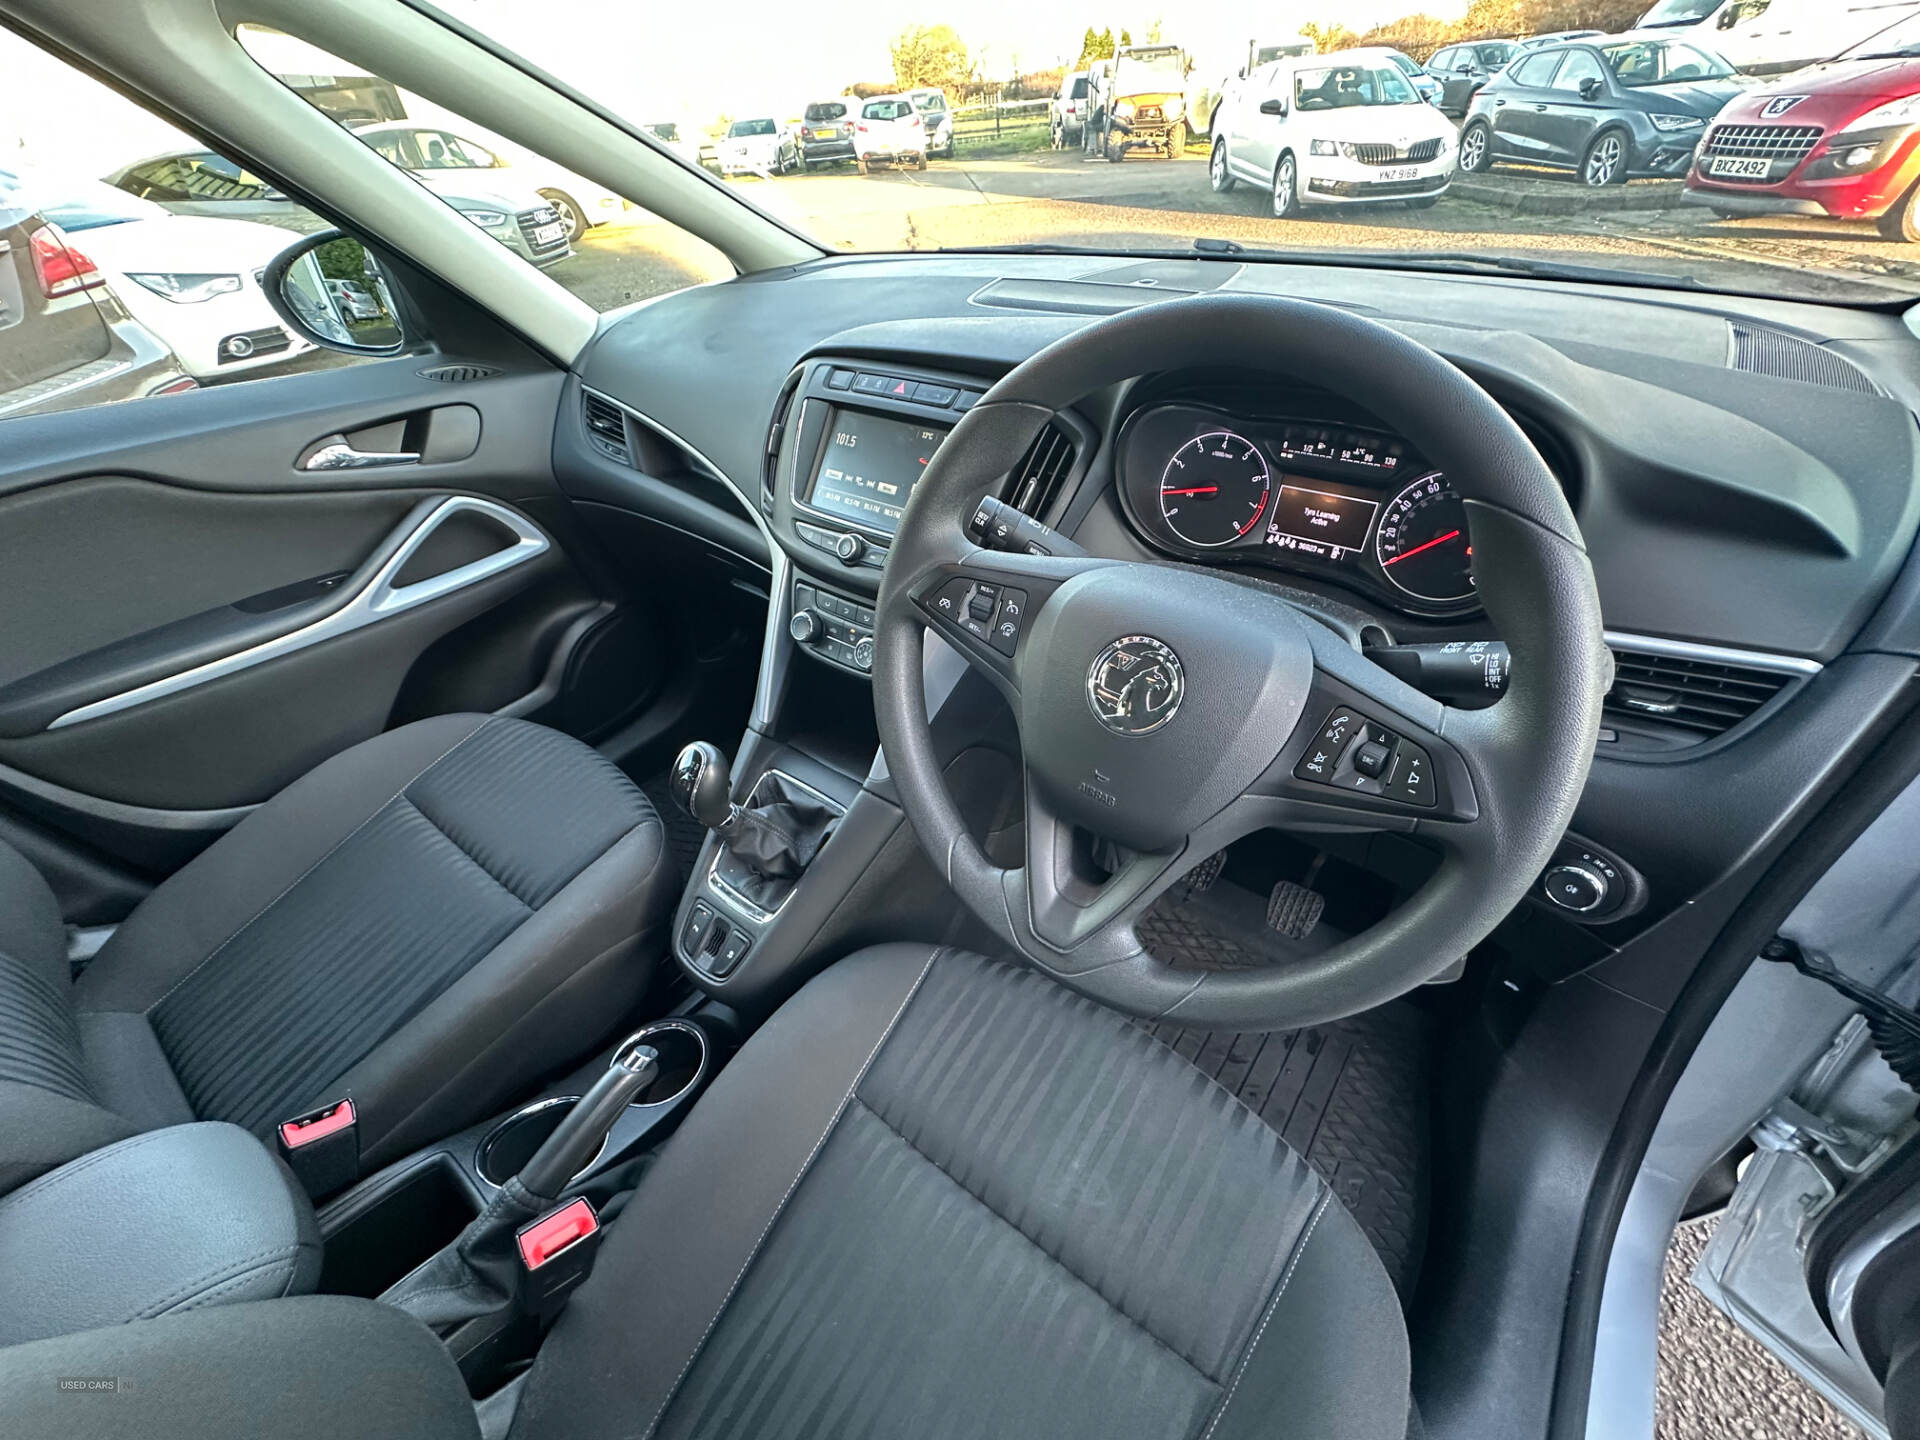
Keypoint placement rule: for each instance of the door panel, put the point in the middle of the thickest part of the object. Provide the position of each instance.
(194, 620)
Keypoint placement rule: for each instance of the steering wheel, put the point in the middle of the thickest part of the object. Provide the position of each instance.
(1169, 710)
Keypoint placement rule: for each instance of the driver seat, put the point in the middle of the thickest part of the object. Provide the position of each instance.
(940, 1195)
(935, 1195)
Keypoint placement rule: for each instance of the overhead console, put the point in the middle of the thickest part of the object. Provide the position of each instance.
(850, 439)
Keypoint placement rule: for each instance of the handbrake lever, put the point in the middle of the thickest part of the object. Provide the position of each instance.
(577, 1138)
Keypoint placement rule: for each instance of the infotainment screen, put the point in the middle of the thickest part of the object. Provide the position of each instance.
(870, 465)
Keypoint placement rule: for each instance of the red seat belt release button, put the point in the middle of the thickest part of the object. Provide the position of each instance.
(322, 1148)
(557, 1250)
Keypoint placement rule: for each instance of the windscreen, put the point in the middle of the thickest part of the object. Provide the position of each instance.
(1014, 164)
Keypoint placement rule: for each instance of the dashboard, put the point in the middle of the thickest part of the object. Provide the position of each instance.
(1745, 474)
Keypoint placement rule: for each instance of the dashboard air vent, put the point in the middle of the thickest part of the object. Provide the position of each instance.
(458, 374)
(1036, 480)
(1762, 351)
(776, 437)
(607, 429)
(1705, 697)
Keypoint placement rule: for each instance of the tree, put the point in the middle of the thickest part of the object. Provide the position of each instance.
(1329, 35)
(1094, 47)
(931, 56)
(1125, 39)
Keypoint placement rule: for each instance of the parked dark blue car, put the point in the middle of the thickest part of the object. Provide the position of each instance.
(1607, 109)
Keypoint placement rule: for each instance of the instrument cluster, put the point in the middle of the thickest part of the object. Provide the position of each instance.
(1342, 502)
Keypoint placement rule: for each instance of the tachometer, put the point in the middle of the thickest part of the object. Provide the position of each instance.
(1215, 489)
(1422, 543)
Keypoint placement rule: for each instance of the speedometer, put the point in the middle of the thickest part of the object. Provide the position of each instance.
(1215, 489)
(1423, 545)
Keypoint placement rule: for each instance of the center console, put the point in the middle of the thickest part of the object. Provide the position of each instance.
(850, 441)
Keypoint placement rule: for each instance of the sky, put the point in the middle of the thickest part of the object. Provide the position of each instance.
(692, 62)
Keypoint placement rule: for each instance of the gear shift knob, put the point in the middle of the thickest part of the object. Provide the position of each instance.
(702, 784)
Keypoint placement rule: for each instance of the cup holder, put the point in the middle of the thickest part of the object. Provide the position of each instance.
(684, 1063)
(683, 1059)
(511, 1143)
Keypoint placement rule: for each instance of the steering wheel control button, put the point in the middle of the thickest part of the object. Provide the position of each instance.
(1323, 756)
(1372, 758)
(1575, 888)
(1412, 777)
(1008, 620)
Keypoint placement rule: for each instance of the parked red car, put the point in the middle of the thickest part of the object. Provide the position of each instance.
(1839, 139)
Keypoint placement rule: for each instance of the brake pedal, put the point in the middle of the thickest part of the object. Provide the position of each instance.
(1293, 910)
(1200, 879)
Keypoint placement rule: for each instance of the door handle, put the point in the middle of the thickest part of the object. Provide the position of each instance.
(339, 455)
(1541, 108)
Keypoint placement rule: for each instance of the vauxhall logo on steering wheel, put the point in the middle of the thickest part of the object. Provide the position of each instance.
(1135, 685)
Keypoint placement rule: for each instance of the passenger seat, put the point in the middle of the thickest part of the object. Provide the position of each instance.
(426, 924)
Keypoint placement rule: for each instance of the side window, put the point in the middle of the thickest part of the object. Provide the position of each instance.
(106, 293)
(1536, 71)
(1580, 67)
(441, 151)
(601, 245)
(395, 147)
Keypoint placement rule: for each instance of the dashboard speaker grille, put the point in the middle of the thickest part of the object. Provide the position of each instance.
(1037, 479)
(1760, 351)
(1705, 697)
(607, 429)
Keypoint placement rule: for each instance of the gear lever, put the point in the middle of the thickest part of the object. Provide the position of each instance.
(702, 785)
(769, 842)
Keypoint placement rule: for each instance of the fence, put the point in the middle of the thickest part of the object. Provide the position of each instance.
(977, 124)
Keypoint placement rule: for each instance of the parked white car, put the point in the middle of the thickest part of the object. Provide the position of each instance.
(192, 281)
(758, 146)
(426, 149)
(1769, 37)
(890, 131)
(1068, 115)
(1340, 129)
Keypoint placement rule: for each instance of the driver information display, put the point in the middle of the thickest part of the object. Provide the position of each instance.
(871, 465)
(1320, 522)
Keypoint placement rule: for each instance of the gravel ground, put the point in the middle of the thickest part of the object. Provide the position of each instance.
(1715, 1381)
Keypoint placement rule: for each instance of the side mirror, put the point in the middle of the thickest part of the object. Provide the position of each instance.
(1590, 88)
(1729, 18)
(1273, 107)
(331, 290)
(1466, 69)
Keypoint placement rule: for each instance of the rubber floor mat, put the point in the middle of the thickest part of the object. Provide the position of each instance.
(1351, 1096)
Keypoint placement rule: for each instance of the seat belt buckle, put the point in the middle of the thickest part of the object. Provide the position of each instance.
(322, 1148)
(557, 1252)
